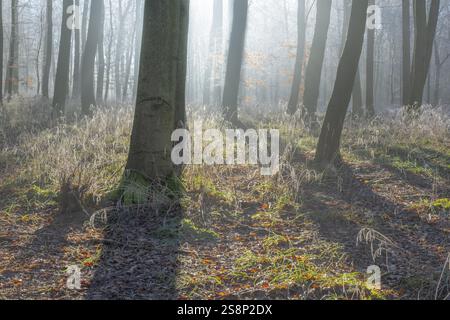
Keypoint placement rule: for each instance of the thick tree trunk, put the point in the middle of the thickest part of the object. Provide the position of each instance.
(234, 63)
(425, 30)
(48, 50)
(215, 45)
(62, 69)
(298, 70)
(315, 64)
(150, 148)
(406, 61)
(330, 137)
(88, 61)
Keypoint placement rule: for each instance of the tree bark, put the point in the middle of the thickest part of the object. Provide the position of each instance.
(234, 63)
(137, 53)
(88, 61)
(298, 69)
(315, 64)
(62, 69)
(406, 61)
(48, 50)
(159, 79)
(330, 137)
(1, 52)
(12, 78)
(370, 78)
(180, 99)
(101, 57)
(425, 31)
(76, 81)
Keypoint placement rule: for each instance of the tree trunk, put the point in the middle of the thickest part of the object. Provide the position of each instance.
(76, 82)
(48, 50)
(101, 57)
(425, 30)
(84, 23)
(109, 53)
(119, 45)
(150, 148)
(12, 78)
(357, 103)
(234, 63)
(129, 58)
(330, 137)
(370, 78)
(88, 61)
(298, 70)
(215, 45)
(180, 99)
(406, 61)
(137, 53)
(316, 58)
(1, 52)
(62, 69)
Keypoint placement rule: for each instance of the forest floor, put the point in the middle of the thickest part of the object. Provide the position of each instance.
(233, 234)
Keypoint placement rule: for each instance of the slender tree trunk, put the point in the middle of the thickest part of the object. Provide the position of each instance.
(215, 41)
(425, 31)
(119, 45)
(330, 137)
(109, 53)
(88, 61)
(84, 23)
(101, 57)
(406, 61)
(48, 50)
(62, 69)
(137, 53)
(76, 82)
(12, 78)
(370, 77)
(129, 58)
(234, 63)
(357, 103)
(1, 52)
(180, 98)
(316, 58)
(298, 70)
(150, 148)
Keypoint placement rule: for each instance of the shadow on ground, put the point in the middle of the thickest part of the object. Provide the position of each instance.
(139, 257)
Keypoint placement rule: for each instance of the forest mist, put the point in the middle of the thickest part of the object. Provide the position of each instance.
(320, 138)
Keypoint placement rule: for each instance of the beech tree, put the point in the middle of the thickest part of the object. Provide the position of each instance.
(48, 51)
(425, 31)
(298, 69)
(234, 62)
(88, 61)
(314, 69)
(329, 142)
(62, 70)
(160, 79)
